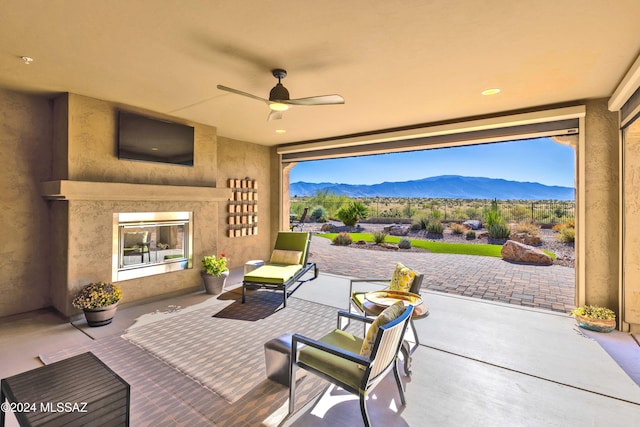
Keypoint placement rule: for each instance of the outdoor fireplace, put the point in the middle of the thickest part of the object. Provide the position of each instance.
(148, 243)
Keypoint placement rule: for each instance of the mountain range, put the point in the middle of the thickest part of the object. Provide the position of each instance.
(443, 186)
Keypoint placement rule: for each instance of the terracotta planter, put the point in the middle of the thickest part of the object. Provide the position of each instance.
(598, 325)
(100, 316)
(214, 284)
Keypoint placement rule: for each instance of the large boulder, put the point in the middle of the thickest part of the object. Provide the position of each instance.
(519, 252)
(327, 227)
(526, 238)
(397, 230)
(473, 224)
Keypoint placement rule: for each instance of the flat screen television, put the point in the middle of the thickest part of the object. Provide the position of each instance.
(153, 140)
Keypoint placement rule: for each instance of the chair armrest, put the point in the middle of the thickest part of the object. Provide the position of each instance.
(355, 316)
(331, 349)
(352, 281)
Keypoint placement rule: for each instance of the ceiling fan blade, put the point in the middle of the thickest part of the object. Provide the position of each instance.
(274, 115)
(316, 100)
(239, 92)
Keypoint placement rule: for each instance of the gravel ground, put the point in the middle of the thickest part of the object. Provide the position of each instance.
(565, 252)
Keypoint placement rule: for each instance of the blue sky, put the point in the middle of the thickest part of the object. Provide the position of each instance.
(533, 160)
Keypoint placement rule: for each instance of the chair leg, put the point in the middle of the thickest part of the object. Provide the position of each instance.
(363, 409)
(243, 293)
(399, 383)
(292, 388)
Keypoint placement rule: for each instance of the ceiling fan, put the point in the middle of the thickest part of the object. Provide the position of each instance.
(279, 100)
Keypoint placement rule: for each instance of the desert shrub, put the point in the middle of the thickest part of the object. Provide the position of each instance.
(499, 231)
(342, 239)
(435, 214)
(435, 228)
(457, 228)
(471, 234)
(566, 232)
(319, 214)
(415, 226)
(424, 223)
(404, 243)
(379, 236)
(526, 227)
(566, 235)
(492, 216)
(352, 213)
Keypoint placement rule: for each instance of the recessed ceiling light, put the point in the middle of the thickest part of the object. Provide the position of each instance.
(26, 59)
(493, 91)
(154, 148)
(281, 131)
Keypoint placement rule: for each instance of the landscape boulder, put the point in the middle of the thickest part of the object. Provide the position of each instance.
(526, 238)
(473, 224)
(525, 254)
(388, 246)
(397, 230)
(327, 227)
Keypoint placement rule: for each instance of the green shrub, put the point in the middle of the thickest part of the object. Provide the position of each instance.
(342, 239)
(352, 213)
(379, 236)
(416, 226)
(435, 228)
(424, 223)
(319, 214)
(457, 228)
(566, 235)
(499, 231)
(404, 243)
(471, 234)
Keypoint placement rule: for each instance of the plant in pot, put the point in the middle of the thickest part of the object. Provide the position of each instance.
(99, 302)
(214, 273)
(594, 318)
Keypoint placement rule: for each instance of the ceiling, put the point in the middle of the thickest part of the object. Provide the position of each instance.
(396, 62)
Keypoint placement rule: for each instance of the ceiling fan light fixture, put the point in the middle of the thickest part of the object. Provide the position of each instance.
(492, 91)
(278, 106)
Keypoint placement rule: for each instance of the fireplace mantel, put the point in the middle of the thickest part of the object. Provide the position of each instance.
(88, 190)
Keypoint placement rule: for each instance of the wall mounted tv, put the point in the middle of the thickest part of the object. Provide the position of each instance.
(153, 140)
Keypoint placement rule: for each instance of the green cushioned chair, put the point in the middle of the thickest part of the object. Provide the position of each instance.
(286, 267)
(358, 304)
(336, 358)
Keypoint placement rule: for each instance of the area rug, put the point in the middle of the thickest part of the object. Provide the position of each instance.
(224, 350)
(206, 366)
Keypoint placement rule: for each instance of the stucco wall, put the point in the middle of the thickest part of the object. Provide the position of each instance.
(92, 156)
(25, 150)
(243, 159)
(601, 205)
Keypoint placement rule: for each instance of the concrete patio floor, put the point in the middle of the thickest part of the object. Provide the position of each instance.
(479, 363)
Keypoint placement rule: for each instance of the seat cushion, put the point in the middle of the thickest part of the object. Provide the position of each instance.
(402, 278)
(336, 367)
(389, 314)
(272, 273)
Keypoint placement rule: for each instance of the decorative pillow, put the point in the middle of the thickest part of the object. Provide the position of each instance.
(402, 278)
(389, 314)
(280, 256)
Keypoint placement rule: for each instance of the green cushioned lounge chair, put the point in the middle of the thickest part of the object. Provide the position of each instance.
(286, 267)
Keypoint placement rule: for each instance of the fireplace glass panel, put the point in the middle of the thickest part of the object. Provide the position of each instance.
(151, 243)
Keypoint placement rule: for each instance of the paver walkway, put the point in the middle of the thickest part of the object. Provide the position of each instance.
(547, 287)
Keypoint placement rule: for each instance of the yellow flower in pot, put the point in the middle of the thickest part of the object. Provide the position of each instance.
(99, 302)
(594, 318)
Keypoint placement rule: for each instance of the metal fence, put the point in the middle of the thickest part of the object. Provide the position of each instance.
(404, 210)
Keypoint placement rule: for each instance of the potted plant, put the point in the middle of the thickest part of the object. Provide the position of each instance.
(99, 302)
(594, 318)
(214, 273)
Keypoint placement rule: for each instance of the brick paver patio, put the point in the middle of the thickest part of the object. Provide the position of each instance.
(547, 287)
